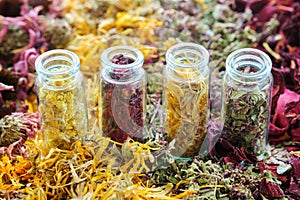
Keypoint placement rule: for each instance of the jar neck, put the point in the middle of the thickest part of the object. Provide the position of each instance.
(187, 61)
(248, 66)
(121, 63)
(57, 67)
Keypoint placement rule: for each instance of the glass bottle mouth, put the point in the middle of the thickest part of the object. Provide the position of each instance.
(248, 65)
(127, 51)
(187, 55)
(57, 64)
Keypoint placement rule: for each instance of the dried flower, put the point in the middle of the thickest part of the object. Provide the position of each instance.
(87, 173)
(57, 32)
(122, 113)
(209, 179)
(65, 122)
(8, 42)
(13, 173)
(64, 92)
(246, 117)
(270, 190)
(18, 125)
(185, 122)
(186, 97)
(281, 127)
(15, 129)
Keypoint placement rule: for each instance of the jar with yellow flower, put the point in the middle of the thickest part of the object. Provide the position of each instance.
(186, 92)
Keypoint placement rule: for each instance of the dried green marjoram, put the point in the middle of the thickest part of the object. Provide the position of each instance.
(209, 180)
(246, 116)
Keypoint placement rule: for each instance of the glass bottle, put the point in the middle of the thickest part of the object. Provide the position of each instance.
(122, 96)
(61, 99)
(246, 99)
(186, 102)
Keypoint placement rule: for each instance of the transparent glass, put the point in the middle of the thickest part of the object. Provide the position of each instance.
(61, 99)
(186, 102)
(246, 99)
(122, 96)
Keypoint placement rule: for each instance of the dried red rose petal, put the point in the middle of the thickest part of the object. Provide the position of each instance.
(122, 104)
(280, 125)
(295, 180)
(295, 162)
(273, 168)
(278, 87)
(266, 13)
(291, 27)
(292, 112)
(294, 187)
(233, 154)
(270, 189)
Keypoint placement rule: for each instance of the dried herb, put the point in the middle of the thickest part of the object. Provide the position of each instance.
(8, 43)
(63, 113)
(285, 119)
(83, 172)
(246, 118)
(57, 32)
(210, 180)
(122, 109)
(219, 29)
(11, 130)
(282, 45)
(232, 154)
(13, 173)
(186, 109)
(14, 131)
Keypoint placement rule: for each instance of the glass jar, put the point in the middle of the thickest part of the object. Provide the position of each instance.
(61, 99)
(246, 99)
(186, 102)
(122, 97)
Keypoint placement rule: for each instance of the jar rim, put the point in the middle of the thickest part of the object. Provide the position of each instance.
(189, 48)
(64, 55)
(250, 53)
(138, 60)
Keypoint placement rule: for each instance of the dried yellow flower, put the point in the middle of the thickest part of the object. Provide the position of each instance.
(61, 95)
(186, 97)
(186, 114)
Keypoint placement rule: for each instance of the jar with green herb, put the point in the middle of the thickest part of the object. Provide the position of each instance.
(122, 96)
(61, 99)
(186, 102)
(246, 99)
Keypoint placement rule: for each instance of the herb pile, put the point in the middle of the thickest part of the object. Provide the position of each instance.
(100, 168)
